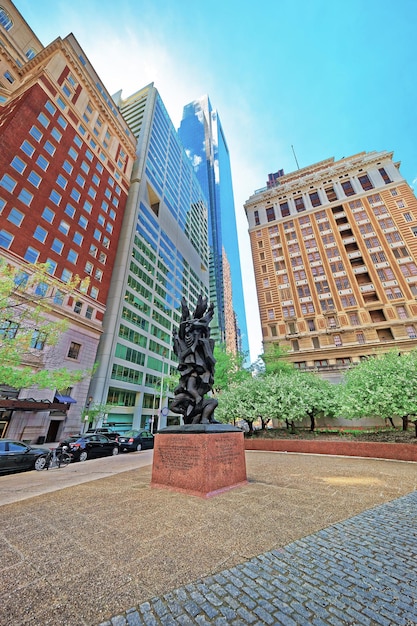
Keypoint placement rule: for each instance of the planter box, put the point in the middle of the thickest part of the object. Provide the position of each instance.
(397, 451)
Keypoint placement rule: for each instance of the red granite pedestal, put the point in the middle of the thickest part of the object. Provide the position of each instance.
(199, 459)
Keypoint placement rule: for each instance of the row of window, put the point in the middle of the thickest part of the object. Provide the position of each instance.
(315, 200)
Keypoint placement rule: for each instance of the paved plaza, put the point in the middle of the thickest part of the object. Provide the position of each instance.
(361, 571)
(310, 540)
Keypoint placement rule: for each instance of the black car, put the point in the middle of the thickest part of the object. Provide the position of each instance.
(107, 432)
(83, 447)
(136, 440)
(16, 456)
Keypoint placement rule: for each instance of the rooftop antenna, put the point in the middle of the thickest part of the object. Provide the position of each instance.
(293, 151)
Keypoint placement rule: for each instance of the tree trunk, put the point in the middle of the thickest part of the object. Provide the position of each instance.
(391, 422)
(405, 422)
(312, 422)
(292, 427)
(415, 426)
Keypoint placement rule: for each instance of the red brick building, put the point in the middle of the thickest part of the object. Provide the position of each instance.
(66, 156)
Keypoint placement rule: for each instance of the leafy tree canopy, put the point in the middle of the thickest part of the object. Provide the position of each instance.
(26, 329)
(381, 386)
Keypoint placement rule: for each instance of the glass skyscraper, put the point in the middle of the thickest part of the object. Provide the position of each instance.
(202, 136)
(162, 256)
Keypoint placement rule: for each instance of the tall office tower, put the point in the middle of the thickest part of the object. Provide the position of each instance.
(202, 136)
(162, 256)
(232, 338)
(334, 250)
(66, 156)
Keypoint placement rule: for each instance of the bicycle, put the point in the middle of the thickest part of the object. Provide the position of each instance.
(54, 458)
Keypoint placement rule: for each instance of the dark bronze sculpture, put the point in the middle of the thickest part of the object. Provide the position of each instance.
(194, 349)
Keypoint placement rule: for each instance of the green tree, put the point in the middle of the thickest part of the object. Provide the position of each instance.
(228, 369)
(26, 328)
(274, 358)
(382, 386)
(93, 413)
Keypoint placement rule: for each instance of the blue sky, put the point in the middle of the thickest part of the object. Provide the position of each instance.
(329, 77)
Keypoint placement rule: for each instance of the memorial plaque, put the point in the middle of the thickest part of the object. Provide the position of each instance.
(199, 464)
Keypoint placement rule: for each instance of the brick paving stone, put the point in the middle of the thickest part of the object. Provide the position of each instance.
(358, 572)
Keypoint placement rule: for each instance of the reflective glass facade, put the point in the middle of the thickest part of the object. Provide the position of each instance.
(202, 136)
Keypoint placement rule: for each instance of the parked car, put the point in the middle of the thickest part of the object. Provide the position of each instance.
(16, 456)
(107, 432)
(83, 447)
(136, 440)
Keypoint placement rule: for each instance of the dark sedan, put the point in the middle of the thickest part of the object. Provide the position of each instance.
(16, 456)
(136, 440)
(83, 447)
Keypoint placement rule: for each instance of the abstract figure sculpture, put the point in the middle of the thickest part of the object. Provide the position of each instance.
(194, 349)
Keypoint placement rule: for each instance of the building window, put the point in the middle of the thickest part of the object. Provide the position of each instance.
(94, 293)
(348, 300)
(311, 325)
(66, 275)
(299, 204)
(40, 234)
(331, 194)
(402, 313)
(57, 246)
(5, 239)
(5, 19)
(78, 238)
(55, 197)
(74, 350)
(348, 188)
(354, 319)
(50, 148)
(18, 165)
(384, 175)
(337, 340)
(62, 181)
(284, 208)
(52, 265)
(294, 345)
(26, 197)
(9, 329)
(411, 331)
(8, 183)
(9, 77)
(31, 255)
(34, 179)
(365, 182)
(15, 217)
(43, 120)
(307, 307)
(287, 311)
(78, 307)
(69, 210)
(316, 343)
(72, 256)
(64, 227)
(38, 340)
(42, 162)
(59, 297)
(89, 312)
(27, 148)
(315, 198)
(270, 214)
(408, 217)
(393, 293)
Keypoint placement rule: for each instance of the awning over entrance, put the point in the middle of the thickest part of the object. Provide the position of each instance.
(65, 399)
(29, 404)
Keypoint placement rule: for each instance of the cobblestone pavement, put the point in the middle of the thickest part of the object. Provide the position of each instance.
(361, 571)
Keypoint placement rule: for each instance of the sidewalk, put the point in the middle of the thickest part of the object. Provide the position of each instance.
(301, 544)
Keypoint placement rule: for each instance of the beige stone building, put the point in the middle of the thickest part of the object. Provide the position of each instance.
(334, 249)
